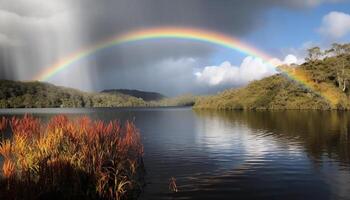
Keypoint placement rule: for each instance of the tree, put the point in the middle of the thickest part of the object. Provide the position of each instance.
(339, 49)
(346, 48)
(341, 64)
(314, 53)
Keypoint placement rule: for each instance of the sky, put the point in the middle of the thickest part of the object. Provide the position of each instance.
(34, 34)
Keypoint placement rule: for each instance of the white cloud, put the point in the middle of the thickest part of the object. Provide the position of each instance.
(250, 69)
(290, 59)
(226, 73)
(335, 25)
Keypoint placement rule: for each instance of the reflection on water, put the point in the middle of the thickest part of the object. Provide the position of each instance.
(237, 154)
(320, 133)
(307, 150)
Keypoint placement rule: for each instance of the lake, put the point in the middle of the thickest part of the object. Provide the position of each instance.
(236, 154)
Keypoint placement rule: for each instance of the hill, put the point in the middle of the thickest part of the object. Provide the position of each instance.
(15, 94)
(323, 84)
(275, 92)
(146, 96)
(182, 100)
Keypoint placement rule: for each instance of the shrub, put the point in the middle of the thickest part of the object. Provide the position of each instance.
(71, 159)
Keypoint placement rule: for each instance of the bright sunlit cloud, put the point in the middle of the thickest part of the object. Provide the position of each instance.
(335, 25)
(250, 69)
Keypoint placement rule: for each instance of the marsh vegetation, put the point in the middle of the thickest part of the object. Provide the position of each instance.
(70, 159)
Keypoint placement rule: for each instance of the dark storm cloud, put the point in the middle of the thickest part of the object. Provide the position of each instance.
(42, 32)
(231, 16)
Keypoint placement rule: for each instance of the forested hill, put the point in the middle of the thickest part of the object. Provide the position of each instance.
(327, 73)
(15, 94)
(146, 96)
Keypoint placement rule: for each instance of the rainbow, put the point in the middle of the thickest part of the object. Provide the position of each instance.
(175, 33)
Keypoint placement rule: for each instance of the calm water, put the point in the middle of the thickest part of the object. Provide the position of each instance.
(237, 154)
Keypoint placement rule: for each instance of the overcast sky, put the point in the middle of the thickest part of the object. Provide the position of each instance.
(34, 34)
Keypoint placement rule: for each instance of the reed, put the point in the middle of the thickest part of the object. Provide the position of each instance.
(3, 125)
(70, 159)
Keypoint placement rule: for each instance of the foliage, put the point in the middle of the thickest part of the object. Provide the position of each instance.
(146, 96)
(14, 94)
(183, 100)
(314, 53)
(334, 65)
(275, 92)
(71, 159)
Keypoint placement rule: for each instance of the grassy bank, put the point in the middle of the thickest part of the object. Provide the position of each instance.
(70, 159)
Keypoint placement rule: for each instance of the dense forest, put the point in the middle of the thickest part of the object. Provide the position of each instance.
(326, 82)
(14, 94)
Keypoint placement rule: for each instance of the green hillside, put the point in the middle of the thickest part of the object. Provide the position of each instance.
(323, 83)
(15, 94)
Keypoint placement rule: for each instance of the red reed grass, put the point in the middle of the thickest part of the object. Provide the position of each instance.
(71, 159)
(3, 124)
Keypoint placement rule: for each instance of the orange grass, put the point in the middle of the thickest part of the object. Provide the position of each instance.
(70, 159)
(3, 124)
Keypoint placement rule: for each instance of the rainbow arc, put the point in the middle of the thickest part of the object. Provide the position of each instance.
(193, 34)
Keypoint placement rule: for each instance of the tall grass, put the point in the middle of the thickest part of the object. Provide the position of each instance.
(3, 125)
(70, 159)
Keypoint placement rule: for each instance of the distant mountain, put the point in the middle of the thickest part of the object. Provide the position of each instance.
(146, 96)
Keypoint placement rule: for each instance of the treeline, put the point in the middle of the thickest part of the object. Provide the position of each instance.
(329, 74)
(182, 100)
(330, 65)
(15, 94)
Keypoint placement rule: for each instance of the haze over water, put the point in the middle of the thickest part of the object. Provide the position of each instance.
(236, 154)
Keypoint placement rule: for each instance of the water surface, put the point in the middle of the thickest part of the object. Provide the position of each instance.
(236, 154)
